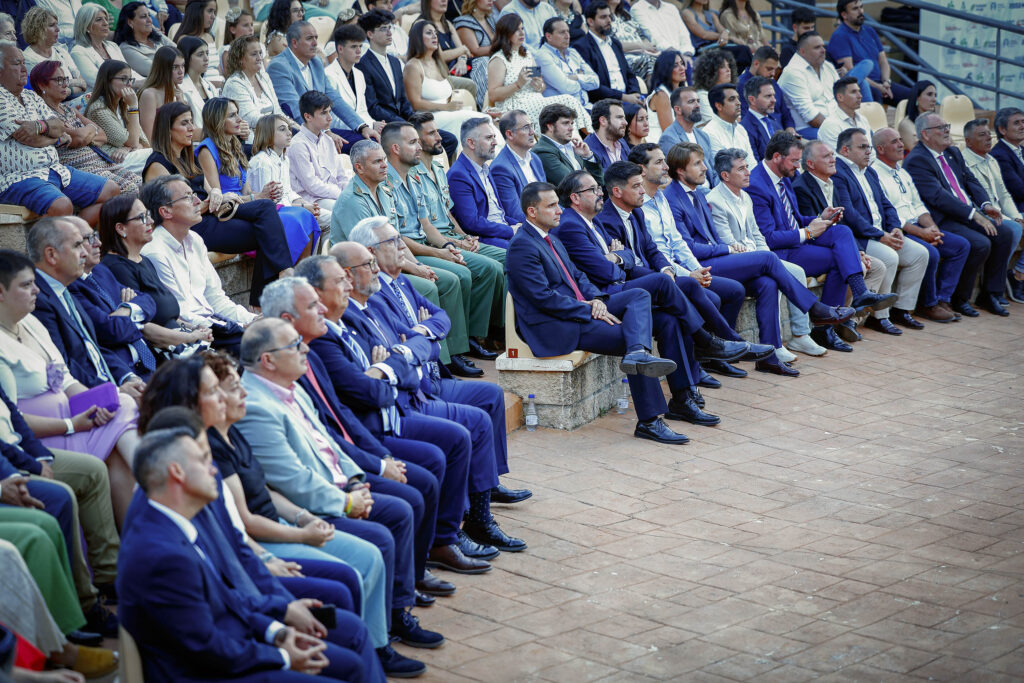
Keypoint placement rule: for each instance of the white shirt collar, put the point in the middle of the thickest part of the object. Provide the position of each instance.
(771, 175)
(853, 167)
(543, 235)
(624, 215)
(179, 520)
(823, 184)
(523, 161)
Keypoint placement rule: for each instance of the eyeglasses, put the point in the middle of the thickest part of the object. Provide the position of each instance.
(65, 81)
(396, 241)
(372, 263)
(191, 197)
(146, 217)
(528, 126)
(294, 345)
(596, 189)
(92, 238)
(128, 80)
(944, 127)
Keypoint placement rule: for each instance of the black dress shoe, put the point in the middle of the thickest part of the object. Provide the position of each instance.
(478, 551)
(904, 318)
(452, 558)
(758, 352)
(723, 368)
(873, 301)
(478, 351)
(85, 638)
(431, 585)
(964, 308)
(847, 331)
(694, 393)
(826, 336)
(657, 430)
(460, 368)
(991, 304)
(490, 533)
(883, 325)
(507, 496)
(1014, 287)
(688, 411)
(643, 363)
(776, 367)
(99, 620)
(707, 381)
(716, 348)
(830, 315)
(399, 666)
(406, 629)
(108, 591)
(424, 600)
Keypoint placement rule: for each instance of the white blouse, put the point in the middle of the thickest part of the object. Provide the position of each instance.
(251, 107)
(23, 365)
(268, 166)
(89, 60)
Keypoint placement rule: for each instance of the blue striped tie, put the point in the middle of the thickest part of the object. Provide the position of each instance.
(788, 205)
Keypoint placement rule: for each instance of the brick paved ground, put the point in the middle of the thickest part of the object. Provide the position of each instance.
(861, 522)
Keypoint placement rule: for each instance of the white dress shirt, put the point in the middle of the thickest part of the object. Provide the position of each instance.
(630, 236)
(616, 81)
(724, 135)
(900, 190)
(185, 269)
(837, 121)
(668, 32)
(524, 165)
(386, 65)
(827, 187)
(662, 226)
(808, 92)
(862, 179)
(494, 211)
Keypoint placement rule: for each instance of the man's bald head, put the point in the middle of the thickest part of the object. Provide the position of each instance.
(349, 253)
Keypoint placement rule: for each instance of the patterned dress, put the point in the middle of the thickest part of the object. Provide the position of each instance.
(87, 159)
(528, 99)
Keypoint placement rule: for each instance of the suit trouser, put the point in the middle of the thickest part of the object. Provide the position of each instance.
(834, 253)
(910, 262)
(708, 303)
(444, 449)
(446, 293)
(482, 281)
(633, 308)
(988, 254)
(673, 316)
(38, 538)
(799, 321)
(945, 263)
(87, 477)
(490, 398)
(451, 405)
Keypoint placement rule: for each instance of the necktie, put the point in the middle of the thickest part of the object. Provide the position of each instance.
(95, 356)
(767, 121)
(709, 232)
(788, 207)
(320, 392)
(951, 179)
(565, 271)
(389, 415)
(145, 356)
(409, 317)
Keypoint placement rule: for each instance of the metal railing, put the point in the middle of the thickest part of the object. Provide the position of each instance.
(896, 37)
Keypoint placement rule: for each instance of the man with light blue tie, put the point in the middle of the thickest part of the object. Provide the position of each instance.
(759, 93)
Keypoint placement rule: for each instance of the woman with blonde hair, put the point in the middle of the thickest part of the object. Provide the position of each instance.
(91, 48)
(41, 31)
(249, 84)
(163, 85)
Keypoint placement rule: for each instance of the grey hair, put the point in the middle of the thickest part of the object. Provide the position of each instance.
(975, 123)
(470, 125)
(726, 158)
(45, 233)
(808, 152)
(278, 297)
(8, 19)
(361, 150)
(295, 30)
(257, 339)
(155, 194)
(365, 231)
(1003, 117)
(155, 452)
(86, 16)
(312, 269)
(923, 122)
(4, 46)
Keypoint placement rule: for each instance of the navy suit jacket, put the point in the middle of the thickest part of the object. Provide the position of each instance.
(698, 229)
(769, 212)
(651, 258)
(1012, 170)
(810, 198)
(591, 53)
(509, 181)
(470, 199)
(782, 116)
(422, 349)
(383, 103)
(858, 214)
(24, 455)
(582, 245)
(69, 341)
(938, 197)
(601, 154)
(757, 134)
(289, 85)
(548, 314)
(187, 621)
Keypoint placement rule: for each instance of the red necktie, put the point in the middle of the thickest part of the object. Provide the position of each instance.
(951, 179)
(320, 392)
(572, 283)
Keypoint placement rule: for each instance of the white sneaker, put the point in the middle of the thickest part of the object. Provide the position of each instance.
(784, 356)
(804, 344)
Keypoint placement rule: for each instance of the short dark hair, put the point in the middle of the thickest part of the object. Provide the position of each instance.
(531, 194)
(717, 95)
(805, 37)
(844, 137)
(603, 108)
(841, 6)
(780, 144)
(11, 263)
(802, 15)
(764, 53)
(419, 118)
(313, 101)
(968, 127)
(1003, 117)
(550, 114)
(348, 33)
(549, 25)
(570, 185)
(155, 451)
(175, 383)
(508, 120)
(391, 133)
(155, 194)
(676, 97)
(374, 19)
(752, 88)
(842, 84)
(640, 154)
(619, 173)
(593, 8)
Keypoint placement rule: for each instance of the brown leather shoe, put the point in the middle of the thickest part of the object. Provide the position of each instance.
(937, 313)
(451, 558)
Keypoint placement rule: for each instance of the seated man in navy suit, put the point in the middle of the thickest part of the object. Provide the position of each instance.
(56, 247)
(189, 623)
(477, 206)
(760, 98)
(607, 142)
(298, 70)
(616, 79)
(558, 310)
(681, 206)
(515, 166)
(765, 64)
(385, 89)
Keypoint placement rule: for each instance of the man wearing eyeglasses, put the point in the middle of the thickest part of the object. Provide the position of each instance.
(961, 205)
(515, 165)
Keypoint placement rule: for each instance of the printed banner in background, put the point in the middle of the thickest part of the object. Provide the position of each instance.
(972, 67)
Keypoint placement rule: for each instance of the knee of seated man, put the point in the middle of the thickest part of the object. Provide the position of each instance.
(61, 207)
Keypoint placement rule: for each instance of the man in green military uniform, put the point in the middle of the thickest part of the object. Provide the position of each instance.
(482, 277)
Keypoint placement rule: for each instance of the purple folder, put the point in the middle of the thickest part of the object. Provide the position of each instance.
(104, 396)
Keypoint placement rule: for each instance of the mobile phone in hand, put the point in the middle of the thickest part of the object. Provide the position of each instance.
(326, 615)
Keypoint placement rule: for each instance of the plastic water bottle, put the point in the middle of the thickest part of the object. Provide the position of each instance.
(531, 415)
(622, 403)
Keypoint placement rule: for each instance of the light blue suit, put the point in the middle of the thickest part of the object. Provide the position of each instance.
(286, 75)
(675, 134)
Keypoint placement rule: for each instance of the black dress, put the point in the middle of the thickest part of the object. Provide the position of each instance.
(236, 458)
(142, 277)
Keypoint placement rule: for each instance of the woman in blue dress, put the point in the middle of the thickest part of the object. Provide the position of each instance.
(224, 166)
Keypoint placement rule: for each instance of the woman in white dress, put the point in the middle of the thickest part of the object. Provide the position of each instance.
(512, 82)
(426, 80)
(249, 85)
(669, 74)
(91, 49)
